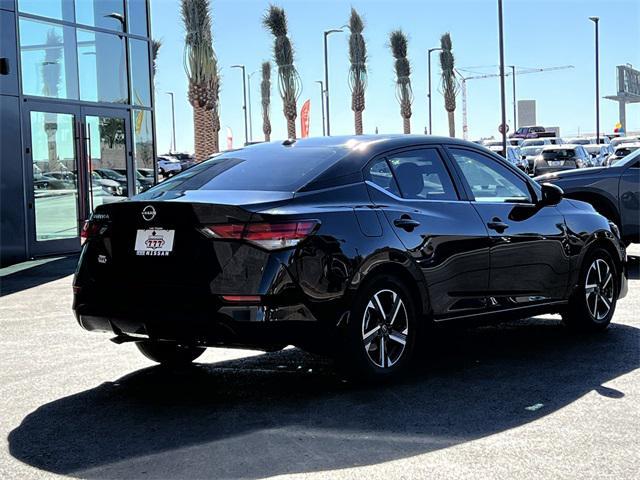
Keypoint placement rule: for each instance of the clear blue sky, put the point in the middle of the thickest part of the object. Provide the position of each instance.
(541, 33)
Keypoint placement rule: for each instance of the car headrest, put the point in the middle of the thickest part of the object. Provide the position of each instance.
(410, 179)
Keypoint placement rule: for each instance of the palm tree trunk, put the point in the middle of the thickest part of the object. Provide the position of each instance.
(358, 122)
(291, 127)
(452, 124)
(406, 122)
(203, 133)
(215, 131)
(267, 137)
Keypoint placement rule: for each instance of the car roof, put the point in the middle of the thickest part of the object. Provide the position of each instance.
(627, 145)
(352, 152)
(564, 146)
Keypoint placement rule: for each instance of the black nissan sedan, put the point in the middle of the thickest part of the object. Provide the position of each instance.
(347, 246)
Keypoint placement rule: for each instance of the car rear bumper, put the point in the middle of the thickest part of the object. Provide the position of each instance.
(241, 326)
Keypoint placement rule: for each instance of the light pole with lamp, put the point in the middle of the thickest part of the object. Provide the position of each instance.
(322, 105)
(503, 126)
(429, 92)
(244, 101)
(326, 76)
(249, 104)
(173, 123)
(596, 21)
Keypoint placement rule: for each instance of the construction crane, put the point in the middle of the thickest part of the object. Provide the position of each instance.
(514, 72)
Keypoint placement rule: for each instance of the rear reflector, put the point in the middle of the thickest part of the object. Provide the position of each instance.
(267, 235)
(241, 298)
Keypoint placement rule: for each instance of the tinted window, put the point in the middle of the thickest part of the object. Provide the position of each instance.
(103, 67)
(139, 64)
(380, 174)
(421, 174)
(488, 180)
(286, 170)
(101, 13)
(560, 153)
(137, 17)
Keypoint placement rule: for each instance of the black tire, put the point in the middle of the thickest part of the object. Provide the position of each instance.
(372, 346)
(593, 303)
(169, 353)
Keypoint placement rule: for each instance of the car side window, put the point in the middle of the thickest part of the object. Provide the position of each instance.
(488, 180)
(379, 173)
(422, 175)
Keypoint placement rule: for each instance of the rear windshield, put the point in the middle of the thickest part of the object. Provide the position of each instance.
(579, 141)
(535, 142)
(253, 169)
(530, 151)
(563, 153)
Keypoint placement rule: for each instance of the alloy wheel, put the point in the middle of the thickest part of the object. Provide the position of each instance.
(599, 289)
(385, 326)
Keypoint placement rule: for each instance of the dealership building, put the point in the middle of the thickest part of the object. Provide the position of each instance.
(76, 117)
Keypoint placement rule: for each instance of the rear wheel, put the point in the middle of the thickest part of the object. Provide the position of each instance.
(382, 330)
(592, 305)
(169, 353)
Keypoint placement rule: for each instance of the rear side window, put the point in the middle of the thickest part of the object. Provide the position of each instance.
(380, 174)
(422, 175)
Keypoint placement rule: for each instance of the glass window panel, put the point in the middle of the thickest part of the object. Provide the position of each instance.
(139, 63)
(380, 174)
(137, 17)
(55, 187)
(422, 175)
(108, 157)
(102, 66)
(143, 149)
(48, 61)
(101, 13)
(58, 9)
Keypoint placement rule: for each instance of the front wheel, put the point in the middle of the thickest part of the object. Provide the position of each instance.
(169, 353)
(382, 330)
(592, 305)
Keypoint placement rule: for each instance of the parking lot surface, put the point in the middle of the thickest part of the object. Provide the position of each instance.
(518, 400)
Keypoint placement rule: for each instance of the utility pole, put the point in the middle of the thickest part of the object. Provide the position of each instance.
(324, 133)
(513, 73)
(249, 105)
(429, 92)
(326, 76)
(502, 96)
(596, 21)
(244, 101)
(173, 123)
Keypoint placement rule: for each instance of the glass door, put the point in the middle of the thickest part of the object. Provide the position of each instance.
(108, 156)
(77, 158)
(54, 187)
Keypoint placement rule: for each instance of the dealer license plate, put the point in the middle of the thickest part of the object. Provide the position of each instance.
(556, 163)
(154, 242)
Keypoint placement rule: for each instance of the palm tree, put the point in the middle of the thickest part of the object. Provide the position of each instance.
(265, 90)
(358, 70)
(404, 94)
(449, 81)
(155, 48)
(275, 20)
(201, 66)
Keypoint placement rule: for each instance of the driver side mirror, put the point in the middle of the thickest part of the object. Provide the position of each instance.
(551, 194)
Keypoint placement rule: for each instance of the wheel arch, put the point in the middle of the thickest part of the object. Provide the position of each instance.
(603, 205)
(601, 239)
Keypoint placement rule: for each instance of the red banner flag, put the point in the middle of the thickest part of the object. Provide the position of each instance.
(229, 138)
(304, 119)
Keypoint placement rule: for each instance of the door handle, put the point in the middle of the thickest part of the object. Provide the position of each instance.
(497, 225)
(406, 223)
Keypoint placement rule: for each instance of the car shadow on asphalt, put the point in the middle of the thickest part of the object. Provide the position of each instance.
(43, 271)
(289, 412)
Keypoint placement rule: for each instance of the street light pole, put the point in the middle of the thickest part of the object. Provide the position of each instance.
(596, 20)
(502, 95)
(513, 73)
(173, 123)
(322, 105)
(249, 103)
(429, 92)
(326, 76)
(244, 101)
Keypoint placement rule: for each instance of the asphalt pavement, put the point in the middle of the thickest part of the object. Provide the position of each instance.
(524, 399)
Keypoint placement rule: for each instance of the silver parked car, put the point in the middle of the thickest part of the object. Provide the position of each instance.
(555, 158)
(598, 153)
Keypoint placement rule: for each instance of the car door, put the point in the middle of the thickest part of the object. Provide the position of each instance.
(439, 228)
(629, 199)
(529, 261)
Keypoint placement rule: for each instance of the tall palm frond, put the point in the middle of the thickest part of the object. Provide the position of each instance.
(358, 69)
(201, 67)
(265, 93)
(155, 49)
(289, 85)
(398, 44)
(450, 84)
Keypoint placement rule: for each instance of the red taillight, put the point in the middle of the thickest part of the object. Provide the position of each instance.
(268, 235)
(88, 230)
(241, 298)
